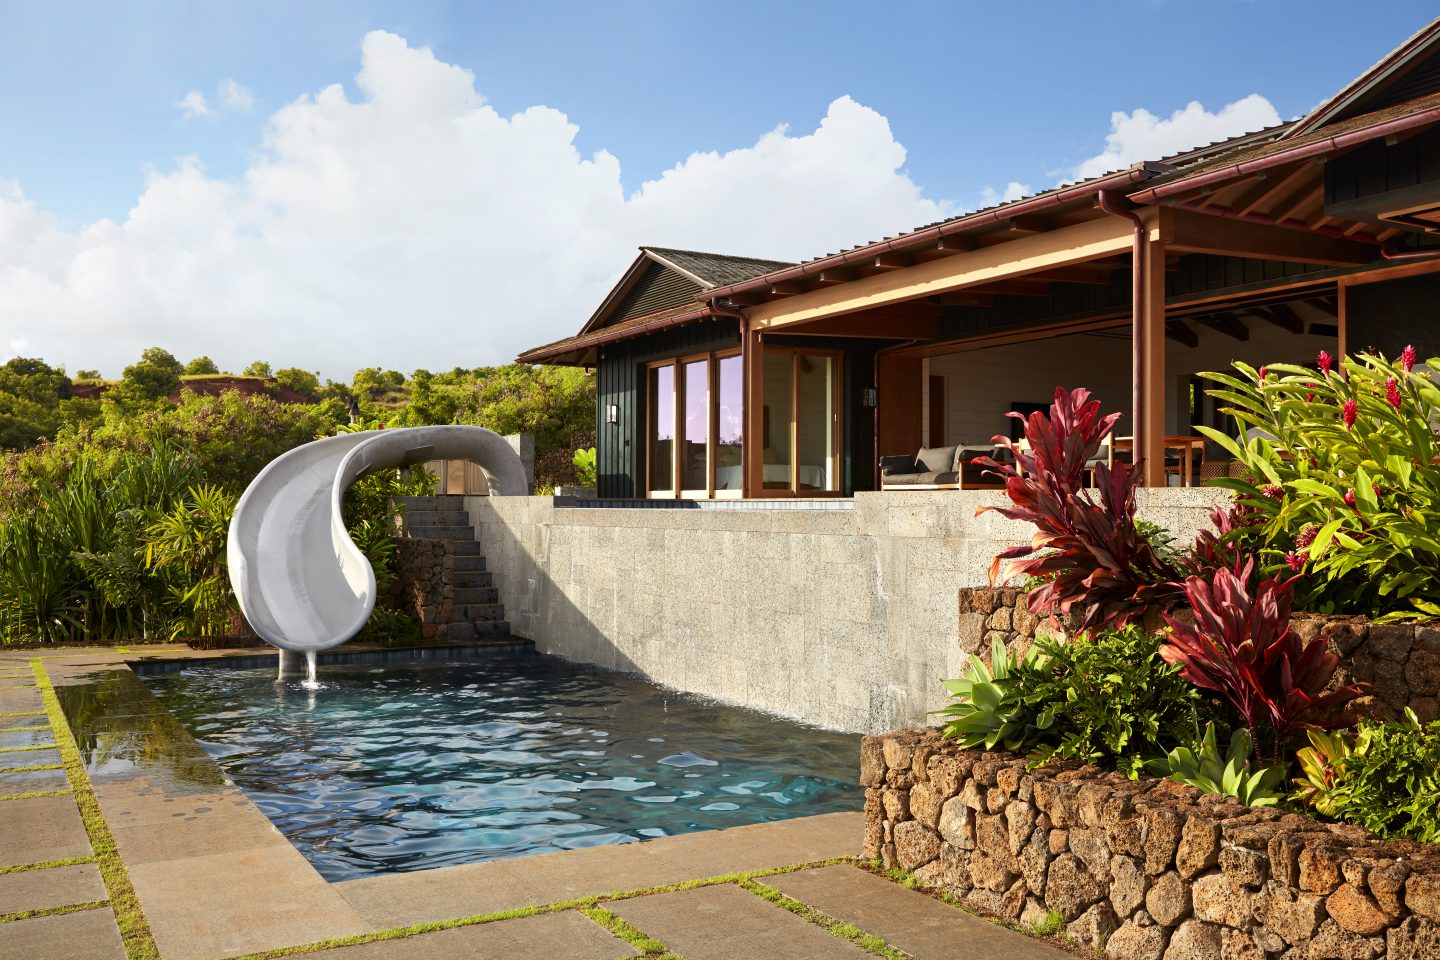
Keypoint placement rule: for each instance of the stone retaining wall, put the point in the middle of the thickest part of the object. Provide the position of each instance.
(1147, 869)
(423, 584)
(1400, 661)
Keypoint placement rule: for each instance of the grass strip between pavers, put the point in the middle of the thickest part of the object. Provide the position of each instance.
(38, 746)
(46, 864)
(54, 911)
(577, 903)
(33, 794)
(43, 726)
(134, 929)
(24, 713)
(845, 931)
(647, 945)
(38, 766)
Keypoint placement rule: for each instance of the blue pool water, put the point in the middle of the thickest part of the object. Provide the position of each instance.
(410, 766)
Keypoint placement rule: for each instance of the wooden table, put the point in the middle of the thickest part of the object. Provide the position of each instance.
(1182, 444)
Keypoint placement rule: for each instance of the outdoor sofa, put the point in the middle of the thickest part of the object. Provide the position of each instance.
(942, 468)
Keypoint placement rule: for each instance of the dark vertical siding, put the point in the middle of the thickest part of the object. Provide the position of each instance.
(1388, 315)
(1376, 168)
(620, 379)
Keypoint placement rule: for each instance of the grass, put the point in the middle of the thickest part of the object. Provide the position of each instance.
(33, 794)
(24, 713)
(1053, 923)
(646, 945)
(53, 911)
(38, 766)
(845, 931)
(134, 929)
(43, 726)
(45, 864)
(38, 746)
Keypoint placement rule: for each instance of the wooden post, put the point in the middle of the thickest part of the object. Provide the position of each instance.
(754, 444)
(1342, 345)
(1151, 446)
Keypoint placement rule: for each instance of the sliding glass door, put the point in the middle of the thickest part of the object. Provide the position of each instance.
(801, 421)
(696, 427)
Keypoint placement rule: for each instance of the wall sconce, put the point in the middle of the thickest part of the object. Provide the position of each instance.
(612, 413)
(869, 397)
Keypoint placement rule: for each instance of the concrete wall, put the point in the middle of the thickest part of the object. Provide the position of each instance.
(842, 618)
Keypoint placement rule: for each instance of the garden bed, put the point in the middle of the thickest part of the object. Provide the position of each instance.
(1146, 868)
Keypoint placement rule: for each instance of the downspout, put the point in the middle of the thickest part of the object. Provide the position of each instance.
(875, 415)
(745, 439)
(1138, 334)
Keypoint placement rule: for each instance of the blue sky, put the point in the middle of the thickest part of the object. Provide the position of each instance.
(978, 95)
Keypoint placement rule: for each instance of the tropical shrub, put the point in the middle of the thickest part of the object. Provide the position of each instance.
(1387, 780)
(1232, 775)
(1087, 554)
(1107, 698)
(584, 461)
(1241, 646)
(187, 545)
(1347, 486)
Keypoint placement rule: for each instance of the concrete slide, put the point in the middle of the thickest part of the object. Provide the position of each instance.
(302, 583)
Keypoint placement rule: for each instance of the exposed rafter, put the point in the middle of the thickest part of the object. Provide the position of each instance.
(1182, 332)
(1226, 323)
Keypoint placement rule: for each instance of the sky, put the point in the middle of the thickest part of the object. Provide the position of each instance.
(334, 185)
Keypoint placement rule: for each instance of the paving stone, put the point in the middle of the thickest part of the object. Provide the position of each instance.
(29, 781)
(41, 828)
(28, 758)
(922, 926)
(727, 923)
(236, 903)
(26, 738)
(196, 834)
(449, 893)
(568, 934)
(51, 887)
(87, 935)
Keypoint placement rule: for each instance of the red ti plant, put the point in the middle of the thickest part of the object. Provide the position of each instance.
(1243, 648)
(1089, 553)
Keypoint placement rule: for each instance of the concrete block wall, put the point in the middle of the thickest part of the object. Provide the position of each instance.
(841, 618)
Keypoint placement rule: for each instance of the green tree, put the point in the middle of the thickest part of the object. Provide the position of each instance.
(154, 375)
(32, 394)
(258, 368)
(88, 375)
(201, 366)
(302, 382)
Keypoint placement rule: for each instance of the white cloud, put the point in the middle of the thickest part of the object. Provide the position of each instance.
(194, 105)
(417, 226)
(1013, 191)
(1143, 136)
(235, 97)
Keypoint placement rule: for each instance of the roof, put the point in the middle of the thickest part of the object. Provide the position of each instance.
(1372, 81)
(714, 269)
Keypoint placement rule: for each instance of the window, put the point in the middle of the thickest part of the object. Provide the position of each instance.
(801, 421)
(662, 430)
(697, 417)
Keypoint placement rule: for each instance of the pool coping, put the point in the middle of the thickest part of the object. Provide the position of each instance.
(216, 878)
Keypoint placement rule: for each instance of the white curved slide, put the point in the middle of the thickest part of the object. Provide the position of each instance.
(302, 583)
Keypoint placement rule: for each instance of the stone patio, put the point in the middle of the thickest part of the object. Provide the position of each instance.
(216, 880)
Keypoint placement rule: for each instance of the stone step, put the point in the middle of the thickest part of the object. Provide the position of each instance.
(468, 561)
(478, 612)
(469, 595)
(455, 532)
(463, 579)
(436, 518)
(431, 503)
(465, 630)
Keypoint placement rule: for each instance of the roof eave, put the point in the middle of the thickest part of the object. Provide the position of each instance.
(604, 336)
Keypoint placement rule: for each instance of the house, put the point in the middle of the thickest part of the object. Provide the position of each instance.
(720, 376)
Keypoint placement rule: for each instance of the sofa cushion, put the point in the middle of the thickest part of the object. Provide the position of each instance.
(935, 459)
(901, 479)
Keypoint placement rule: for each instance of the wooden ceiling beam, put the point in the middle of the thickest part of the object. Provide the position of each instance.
(1029, 223)
(748, 298)
(884, 263)
(945, 247)
(1226, 323)
(1300, 201)
(1198, 233)
(1282, 315)
(1267, 189)
(1080, 273)
(964, 298)
(1017, 288)
(1326, 305)
(832, 276)
(871, 327)
(788, 288)
(1181, 332)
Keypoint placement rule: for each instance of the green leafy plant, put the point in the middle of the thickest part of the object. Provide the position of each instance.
(189, 543)
(1232, 775)
(1343, 479)
(1108, 698)
(1387, 779)
(584, 461)
(1320, 769)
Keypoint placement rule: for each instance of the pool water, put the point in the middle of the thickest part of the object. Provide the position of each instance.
(410, 766)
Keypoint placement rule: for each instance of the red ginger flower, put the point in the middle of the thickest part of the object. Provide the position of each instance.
(1307, 536)
(1392, 393)
(1294, 561)
(1348, 413)
(1273, 491)
(1407, 357)
(1349, 498)
(1325, 362)
(1263, 371)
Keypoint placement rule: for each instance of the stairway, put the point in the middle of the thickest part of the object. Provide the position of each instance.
(455, 594)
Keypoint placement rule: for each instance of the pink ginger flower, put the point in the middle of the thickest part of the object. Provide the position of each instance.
(1350, 498)
(1348, 413)
(1307, 536)
(1392, 393)
(1408, 357)
(1263, 371)
(1294, 561)
(1273, 491)
(1325, 362)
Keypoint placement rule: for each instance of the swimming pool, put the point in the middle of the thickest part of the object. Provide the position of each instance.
(414, 765)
